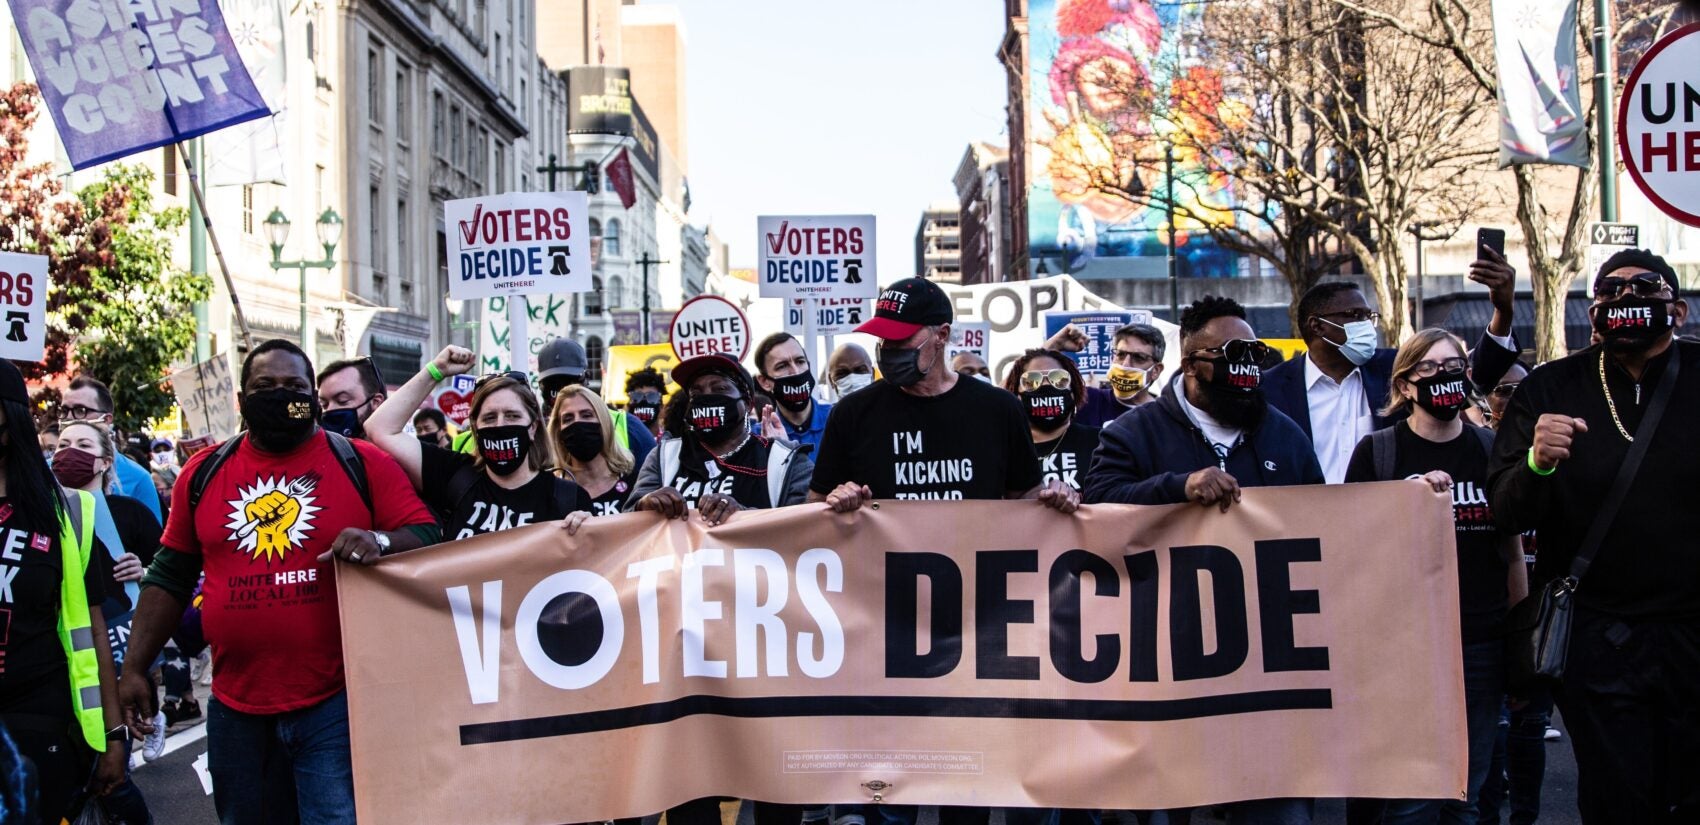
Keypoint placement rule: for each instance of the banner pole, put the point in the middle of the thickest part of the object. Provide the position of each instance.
(197, 261)
(223, 267)
(808, 328)
(519, 336)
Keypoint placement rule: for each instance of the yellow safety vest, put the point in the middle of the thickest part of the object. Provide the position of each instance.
(76, 630)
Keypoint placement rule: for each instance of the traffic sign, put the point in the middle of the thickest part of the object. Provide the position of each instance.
(1658, 129)
(709, 324)
(1606, 240)
(816, 256)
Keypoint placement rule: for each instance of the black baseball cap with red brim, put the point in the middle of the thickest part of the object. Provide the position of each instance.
(907, 306)
(687, 370)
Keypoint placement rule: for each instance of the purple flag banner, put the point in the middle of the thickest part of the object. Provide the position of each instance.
(120, 78)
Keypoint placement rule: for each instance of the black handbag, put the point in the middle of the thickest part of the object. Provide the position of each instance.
(1538, 640)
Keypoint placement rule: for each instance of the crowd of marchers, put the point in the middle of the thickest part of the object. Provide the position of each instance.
(340, 464)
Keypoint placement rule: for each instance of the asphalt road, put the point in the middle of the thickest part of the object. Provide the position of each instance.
(178, 789)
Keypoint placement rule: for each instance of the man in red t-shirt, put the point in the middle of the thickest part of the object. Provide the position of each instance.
(273, 509)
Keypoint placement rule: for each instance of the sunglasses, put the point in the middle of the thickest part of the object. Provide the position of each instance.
(1450, 366)
(1239, 351)
(1034, 379)
(644, 397)
(486, 378)
(1504, 390)
(1644, 285)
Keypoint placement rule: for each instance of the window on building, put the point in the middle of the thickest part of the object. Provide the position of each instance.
(248, 208)
(457, 156)
(403, 103)
(524, 103)
(593, 357)
(404, 243)
(318, 191)
(437, 123)
(442, 259)
(394, 357)
(611, 239)
(501, 176)
(595, 228)
(593, 298)
(616, 292)
(500, 58)
(375, 87)
(168, 169)
(374, 235)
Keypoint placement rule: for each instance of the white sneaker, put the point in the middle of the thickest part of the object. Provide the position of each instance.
(205, 661)
(1553, 735)
(153, 744)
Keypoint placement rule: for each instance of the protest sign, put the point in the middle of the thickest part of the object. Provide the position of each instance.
(1658, 128)
(628, 326)
(119, 78)
(207, 396)
(709, 324)
(833, 316)
(1017, 310)
(1100, 330)
(23, 300)
(816, 256)
(970, 336)
(454, 399)
(547, 317)
(519, 243)
(926, 652)
(623, 361)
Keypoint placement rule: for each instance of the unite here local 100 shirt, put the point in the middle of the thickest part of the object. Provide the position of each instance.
(269, 608)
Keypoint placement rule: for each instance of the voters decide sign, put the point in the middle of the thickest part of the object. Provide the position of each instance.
(520, 243)
(816, 256)
(1659, 124)
(709, 324)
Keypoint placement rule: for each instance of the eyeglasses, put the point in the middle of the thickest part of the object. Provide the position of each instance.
(644, 396)
(491, 376)
(1450, 366)
(1240, 351)
(1353, 315)
(79, 413)
(1644, 285)
(1504, 390)
(1034, 379)
(1138, 360)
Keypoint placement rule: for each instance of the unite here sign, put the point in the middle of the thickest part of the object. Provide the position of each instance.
(520, 243)
(816, 256)
(1659, 124)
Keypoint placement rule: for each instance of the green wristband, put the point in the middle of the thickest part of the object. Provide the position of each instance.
(431, 370)
(1536, 467)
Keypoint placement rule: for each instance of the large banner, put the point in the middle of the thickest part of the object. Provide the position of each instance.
(120, 78)
(1540, 102)
(971, 653)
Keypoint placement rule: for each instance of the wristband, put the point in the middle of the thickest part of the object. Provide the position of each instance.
(431, 370)
(1536, 467)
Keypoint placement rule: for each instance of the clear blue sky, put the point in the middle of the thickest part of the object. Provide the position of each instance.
(800, 107)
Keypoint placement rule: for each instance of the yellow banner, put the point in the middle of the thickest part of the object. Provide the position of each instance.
(967, 653)
(625, 360)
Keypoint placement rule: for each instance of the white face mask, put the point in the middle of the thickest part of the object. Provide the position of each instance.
(1360, 341)
(852, 382)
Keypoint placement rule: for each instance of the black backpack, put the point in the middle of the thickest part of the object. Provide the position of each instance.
(1383, 448)
(346, 456)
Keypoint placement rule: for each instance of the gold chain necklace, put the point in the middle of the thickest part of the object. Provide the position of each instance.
(1611, 404)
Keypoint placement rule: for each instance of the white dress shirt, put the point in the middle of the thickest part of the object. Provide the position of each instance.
(1339, 418)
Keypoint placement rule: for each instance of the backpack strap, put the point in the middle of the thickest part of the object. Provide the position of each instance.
(1483, 435)
(354, 466)
(779, 455)
(1383, 448)
(671, 449)
(458, 487)
(208, 469)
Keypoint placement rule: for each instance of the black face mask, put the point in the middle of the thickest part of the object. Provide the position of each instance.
(1442, 394)
(582, 439)
(344, 422)
(645, 412)
(794, 392)
(280, 418)
(427, 439)
(1235, 394)
(901, 367)
(714, 418)
(1048, 408)
(504, 448)
(1632, 323)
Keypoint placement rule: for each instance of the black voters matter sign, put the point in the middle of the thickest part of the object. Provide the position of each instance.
(1659, 124)
(710, 324)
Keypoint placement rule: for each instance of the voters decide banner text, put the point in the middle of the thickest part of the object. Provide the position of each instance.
(973, 653)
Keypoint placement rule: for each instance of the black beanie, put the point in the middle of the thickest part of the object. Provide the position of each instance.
(1641, 258)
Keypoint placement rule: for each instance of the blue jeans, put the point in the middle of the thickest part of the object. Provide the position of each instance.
(1484, 695)
(281, 768)
(1519, 764)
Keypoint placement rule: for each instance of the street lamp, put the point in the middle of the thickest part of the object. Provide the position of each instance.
(329, 230)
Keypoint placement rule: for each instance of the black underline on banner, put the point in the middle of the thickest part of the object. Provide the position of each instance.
(768, 707)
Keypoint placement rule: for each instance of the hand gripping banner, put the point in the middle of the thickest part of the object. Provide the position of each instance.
(1305, 644)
